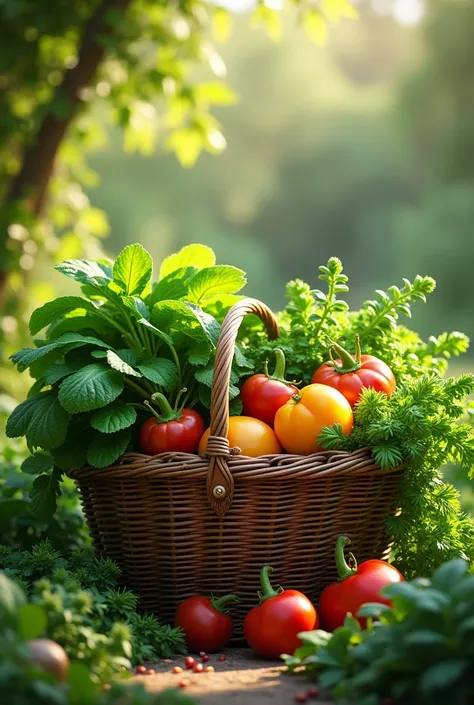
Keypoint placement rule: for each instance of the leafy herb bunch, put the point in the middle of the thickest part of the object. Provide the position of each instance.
(313, 318)
(105, 354)
(24, 683)
(419, 652)
(419, 425)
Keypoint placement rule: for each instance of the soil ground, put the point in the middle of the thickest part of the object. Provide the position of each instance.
(242, 679)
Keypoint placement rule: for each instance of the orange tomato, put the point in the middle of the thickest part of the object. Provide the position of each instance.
(298, 423)
(252, 436)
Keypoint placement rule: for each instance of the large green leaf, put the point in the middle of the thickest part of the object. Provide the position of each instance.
(44, 494)
(212, 281)
(114, 417)
(173, 286)
(187, 318)
(48, 425)
(27, 356)
(41, 418)
(51, 311)
(199, 353)
(160, 371)
(194, 255)
(106, 448)
(86, 272)
(132, 269)
(91, 388)
(37, 463)
(19, 419)
(117, 362)
(59, 370)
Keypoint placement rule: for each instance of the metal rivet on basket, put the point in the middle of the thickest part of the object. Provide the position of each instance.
(219, 491)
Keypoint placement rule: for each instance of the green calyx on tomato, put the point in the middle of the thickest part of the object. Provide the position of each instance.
(263, 394)
(167, 413)
(343, 569)
(219, 603)
(279, 371)
(267, 590)
(349, 363)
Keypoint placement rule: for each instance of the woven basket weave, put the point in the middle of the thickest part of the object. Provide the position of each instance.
(181, 524)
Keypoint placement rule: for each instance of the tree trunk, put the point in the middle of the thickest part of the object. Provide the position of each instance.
(34, 176)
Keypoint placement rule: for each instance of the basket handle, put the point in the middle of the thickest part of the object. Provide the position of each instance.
(219, 482)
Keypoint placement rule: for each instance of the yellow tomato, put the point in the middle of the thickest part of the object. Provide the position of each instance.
(298, 423)
(252, 436)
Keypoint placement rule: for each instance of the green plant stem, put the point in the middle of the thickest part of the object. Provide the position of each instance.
(343, 569)
(167, 413)
(219, 603)
(327, 307)
(267, 590)
(349, 362)
(136, 388)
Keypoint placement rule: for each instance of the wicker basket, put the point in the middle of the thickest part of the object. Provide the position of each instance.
(180, 524)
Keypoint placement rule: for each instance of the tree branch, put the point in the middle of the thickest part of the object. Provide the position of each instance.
(38, 162)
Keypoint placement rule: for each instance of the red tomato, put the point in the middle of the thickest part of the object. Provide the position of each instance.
(350, 375)
(356, 586)
(263, 394)
(178, 431)
(205, 623)
(272, 628)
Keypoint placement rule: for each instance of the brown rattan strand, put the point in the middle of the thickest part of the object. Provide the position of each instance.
(157, 516)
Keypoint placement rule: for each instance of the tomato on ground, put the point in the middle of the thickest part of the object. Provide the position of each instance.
(205, 622)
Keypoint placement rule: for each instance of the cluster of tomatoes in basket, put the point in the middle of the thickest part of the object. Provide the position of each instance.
(272, 627)
(277, 416)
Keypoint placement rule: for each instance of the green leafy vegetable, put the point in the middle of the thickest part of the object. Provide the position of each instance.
(418, 652)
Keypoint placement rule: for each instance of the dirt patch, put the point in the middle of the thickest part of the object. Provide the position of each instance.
(242, 679)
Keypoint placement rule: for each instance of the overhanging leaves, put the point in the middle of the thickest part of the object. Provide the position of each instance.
(91, 388)
(51, 311)
(132, 269)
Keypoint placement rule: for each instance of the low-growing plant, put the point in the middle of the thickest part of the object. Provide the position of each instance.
(88, 613)
(23, 682)
(418, 652)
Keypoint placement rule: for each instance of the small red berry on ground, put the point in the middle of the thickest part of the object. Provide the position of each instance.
(189, 662)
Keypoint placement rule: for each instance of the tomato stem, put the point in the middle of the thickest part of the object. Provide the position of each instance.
(167, 413)
(267, 589)
(219, 603)
(343, 569)
(349, 363)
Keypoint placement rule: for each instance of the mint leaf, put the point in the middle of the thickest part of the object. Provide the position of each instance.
(44, 495)
(49, 422)
(19, 419)
(117, 363)
(58, 371)
(137, 305)
(194, 255)
(41, 419)
(186, 318)
(37, 463)
(199, 353)
(106, 448)
(32, 621)
(86, 272)
(26, 356)
(173, 286)
(78, 339)
(156, 331)
(205, 376)
(114, 417)
(72, 453)
(50, 312)
(160, 371)
(132, 269)
(211, 281)
(91, 388)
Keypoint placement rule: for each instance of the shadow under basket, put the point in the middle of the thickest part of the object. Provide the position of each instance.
(180, 525)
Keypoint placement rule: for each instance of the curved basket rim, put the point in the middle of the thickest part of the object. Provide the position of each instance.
(265, 467)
